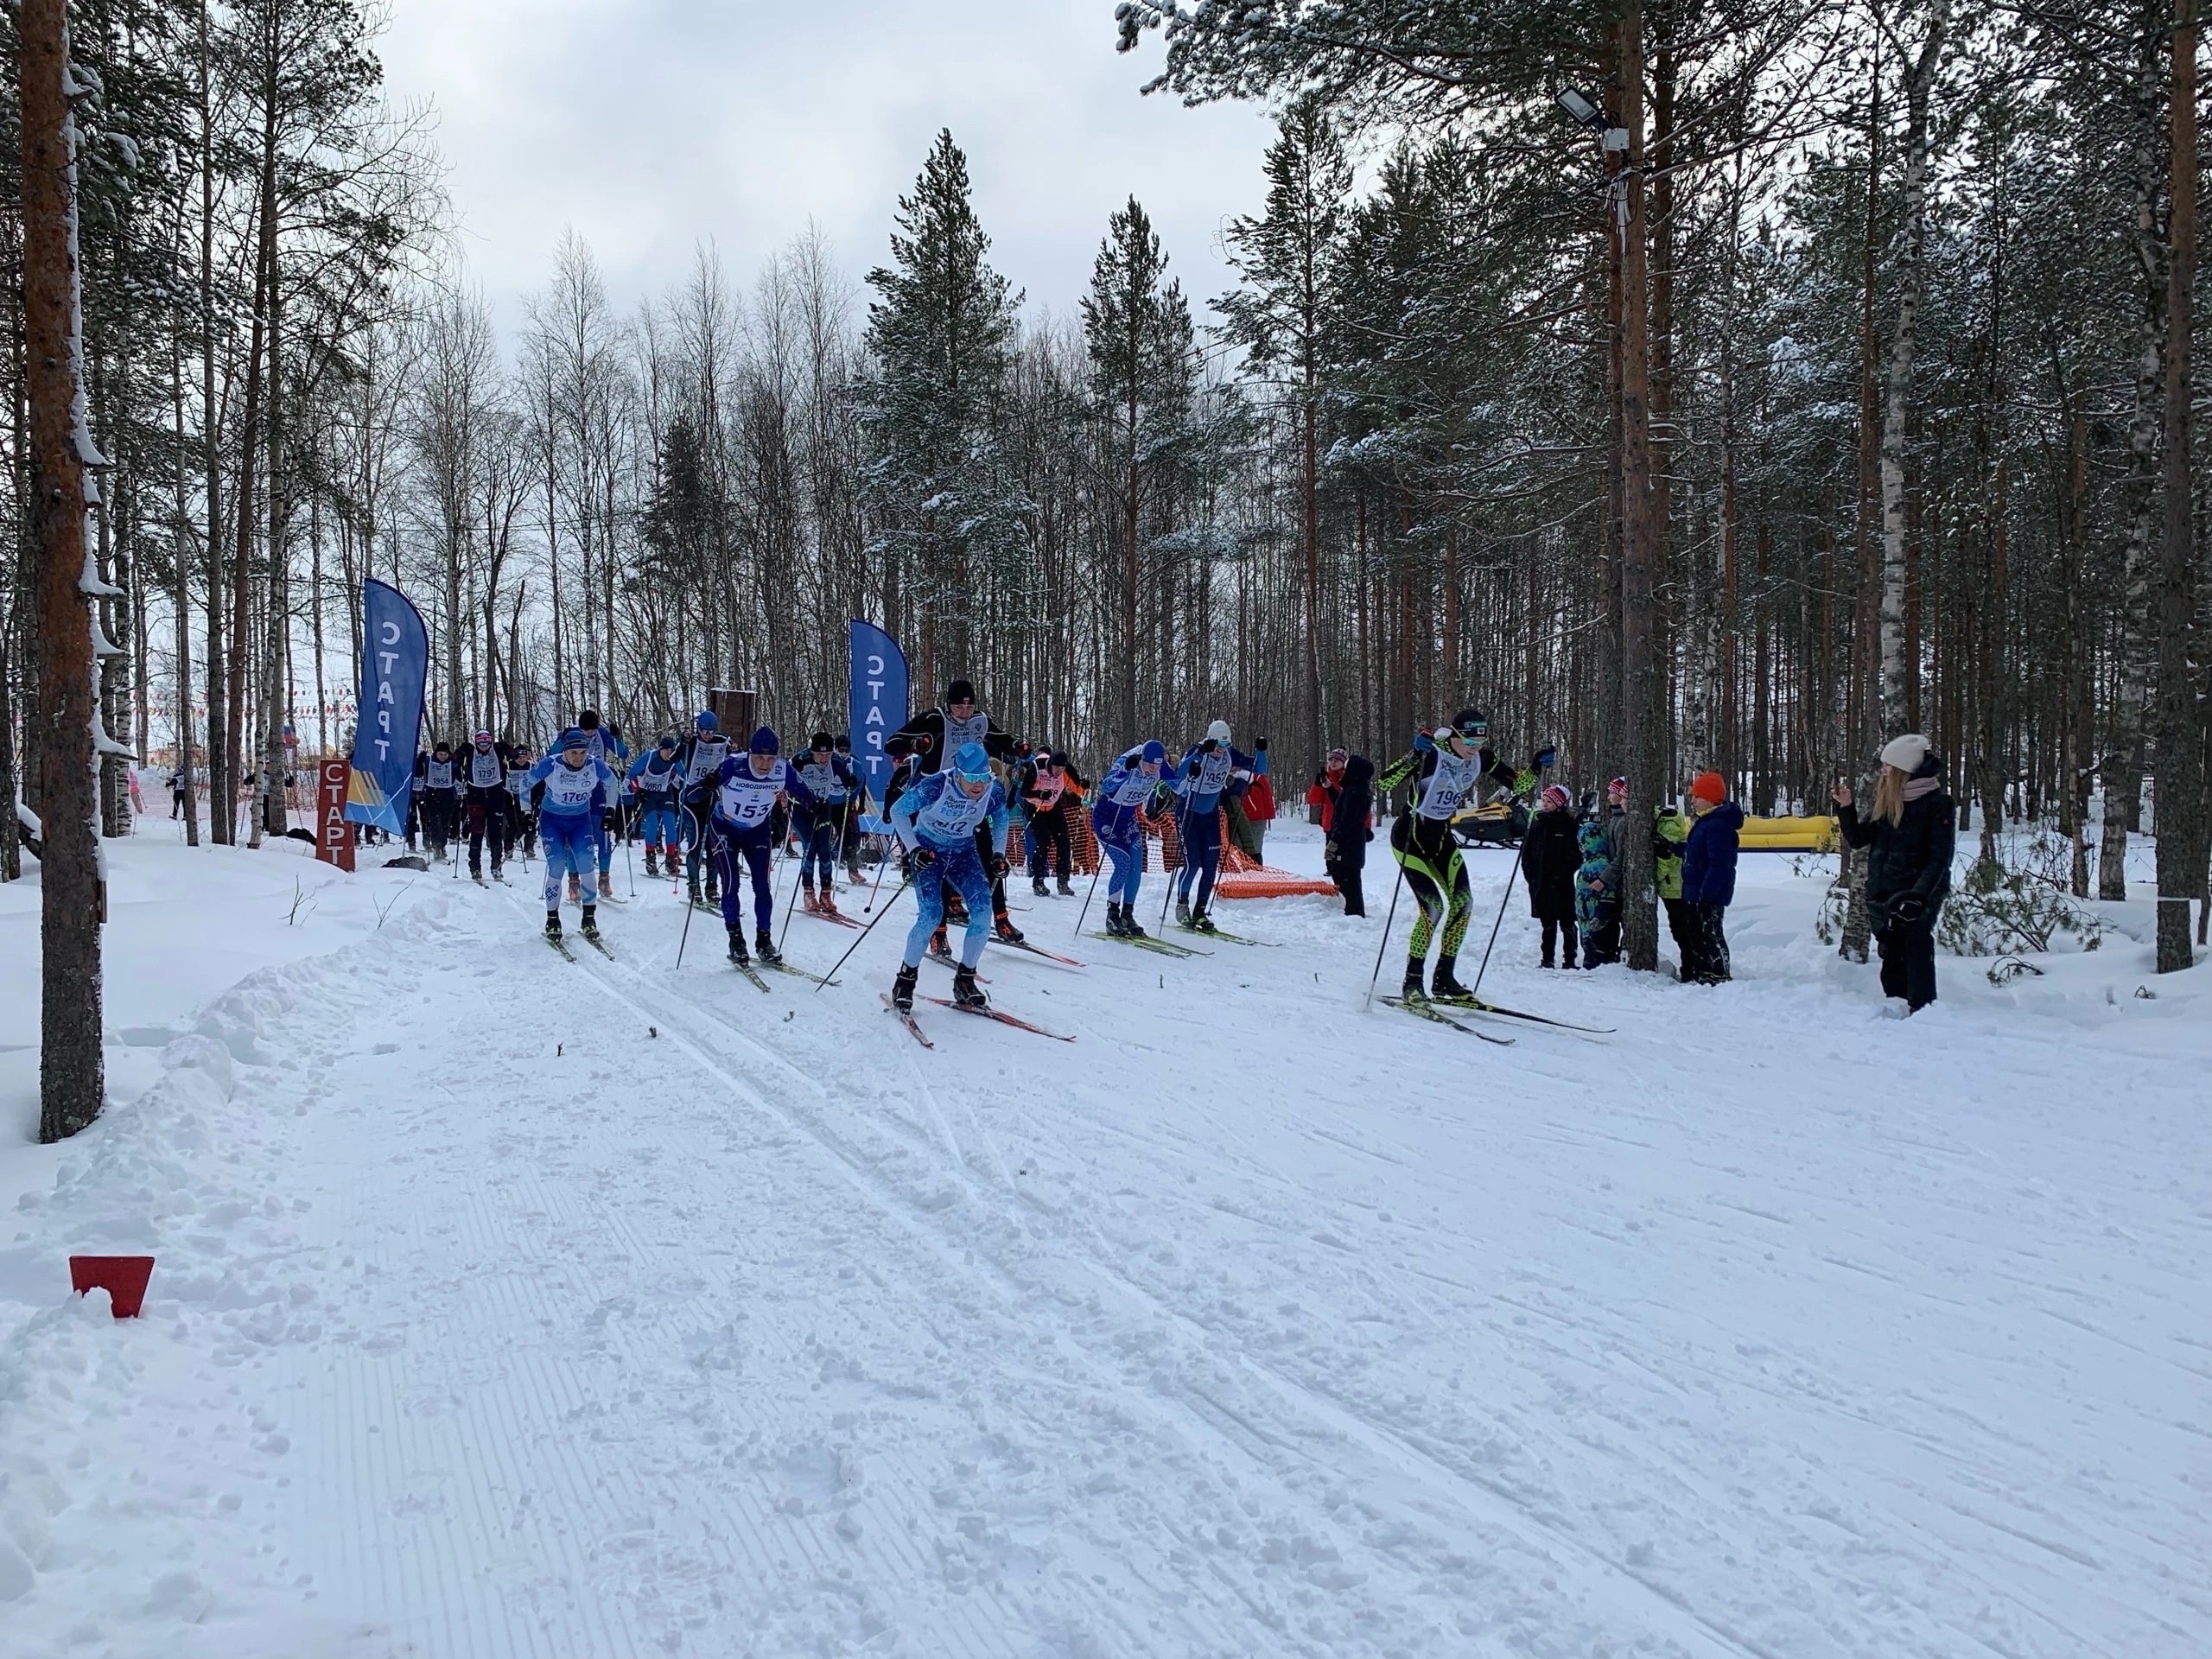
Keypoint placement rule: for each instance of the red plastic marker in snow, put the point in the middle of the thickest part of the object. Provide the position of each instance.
(124, 1278)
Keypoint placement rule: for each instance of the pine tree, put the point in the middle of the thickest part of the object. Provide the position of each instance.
(1136, 326)
(941, 331)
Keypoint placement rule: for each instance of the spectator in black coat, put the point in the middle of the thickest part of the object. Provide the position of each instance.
(1913, 835)
(1350, 830)
(1550, 857)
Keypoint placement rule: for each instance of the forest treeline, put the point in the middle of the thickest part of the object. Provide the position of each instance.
(1722, 383)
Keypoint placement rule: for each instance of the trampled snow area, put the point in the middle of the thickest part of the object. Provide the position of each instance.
(506, 1306)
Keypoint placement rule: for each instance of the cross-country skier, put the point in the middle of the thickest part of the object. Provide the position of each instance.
(484, 774)
(931, 735)
(653, 777)
(1125, 791)
(1053, 796)
(605, 743)
(1446, 766)
(1214, 768)
(576, 789)
(831, 783)
(746, 792)
(699, 766)
(854, 810)
(950, 824)
(522, 814)
(439, 781)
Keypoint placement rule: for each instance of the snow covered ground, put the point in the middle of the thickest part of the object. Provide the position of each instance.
(508, 1306)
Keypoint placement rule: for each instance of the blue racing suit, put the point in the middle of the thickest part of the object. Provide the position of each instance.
(744, 801)
(653, 775)
(567, 821)
(938, 816)
(1202, 780)
(1123, 794)
(819, 818)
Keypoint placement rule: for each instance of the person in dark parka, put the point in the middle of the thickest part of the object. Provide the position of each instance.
(1912, 834)
(1550, 857)
(1709, 875)
(1350, 831)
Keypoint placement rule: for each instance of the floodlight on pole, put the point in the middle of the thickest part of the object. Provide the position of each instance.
(1581, 110)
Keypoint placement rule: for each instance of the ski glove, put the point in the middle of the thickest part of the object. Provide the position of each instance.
(998, 865)
(1423, 743)
(1544, 759)
(917, 861)
(1208, 747)
(1909, 908)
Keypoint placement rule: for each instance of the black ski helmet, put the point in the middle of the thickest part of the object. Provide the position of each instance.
(1472, 722)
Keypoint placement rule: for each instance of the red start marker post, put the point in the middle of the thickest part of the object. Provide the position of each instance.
(124, 1278)
(333, 831)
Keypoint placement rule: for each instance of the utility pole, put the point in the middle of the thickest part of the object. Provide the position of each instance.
(72, 898)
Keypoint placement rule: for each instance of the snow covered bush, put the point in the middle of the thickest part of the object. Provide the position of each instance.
(2018, 902)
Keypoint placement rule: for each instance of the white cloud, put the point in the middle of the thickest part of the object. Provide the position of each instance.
(651, 125)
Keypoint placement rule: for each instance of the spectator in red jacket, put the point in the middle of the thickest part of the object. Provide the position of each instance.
(1328, 784)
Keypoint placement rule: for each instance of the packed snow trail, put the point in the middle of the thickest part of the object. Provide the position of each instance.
(511, 1306)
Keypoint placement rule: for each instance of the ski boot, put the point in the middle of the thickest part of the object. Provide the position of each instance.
(1414, 990)
(575, 888)
(1131, 928)
(590, 929)
(807, 882)
(1003, 926)
(1183, 909)
(1066, 890)
(853, 874)
(737, 948)
(902, 989)
(940, 947)
(1036, 885)
(1444, 986)
(827, 907)
(1114, 928)
(653, 859)
(764, 946)
(1202, 923)
(552, 923)
(477, 876)
(966, 993)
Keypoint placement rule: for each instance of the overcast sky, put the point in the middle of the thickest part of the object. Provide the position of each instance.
(651, 125)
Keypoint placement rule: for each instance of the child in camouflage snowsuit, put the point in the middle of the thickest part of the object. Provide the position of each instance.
(1595, 903)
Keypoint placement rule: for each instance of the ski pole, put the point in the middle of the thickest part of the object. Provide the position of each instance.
(882, 864)
(1512, 875)
(1183, 847)
(790, 903)
(1387, 921)
(865, 932)
(1097, 870)
(629, 864)
(687, 909)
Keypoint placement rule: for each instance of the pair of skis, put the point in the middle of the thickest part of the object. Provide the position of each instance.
(1432, 1008)
(752, 965)
(1150, 942)
(914, 1026)
(560, 942)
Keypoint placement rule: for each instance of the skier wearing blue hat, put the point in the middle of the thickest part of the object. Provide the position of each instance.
(746, 792)
(653, 777)
(1124, 793)
(577, 787)
(937, 820)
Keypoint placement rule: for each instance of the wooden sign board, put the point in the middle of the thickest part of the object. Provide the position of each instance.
(739, 712)
(333, 832)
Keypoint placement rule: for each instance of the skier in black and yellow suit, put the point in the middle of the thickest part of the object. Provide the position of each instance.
(1446, 766)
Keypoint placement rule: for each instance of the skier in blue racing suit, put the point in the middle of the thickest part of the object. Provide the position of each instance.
(937, 820)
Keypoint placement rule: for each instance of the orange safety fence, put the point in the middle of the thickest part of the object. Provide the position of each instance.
(1241, 877)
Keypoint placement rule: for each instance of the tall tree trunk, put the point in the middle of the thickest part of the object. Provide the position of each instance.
(1920, 82)
(2121, 772)
(221, 807)
(180, 599)
(72, 899)
(2180, 730)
